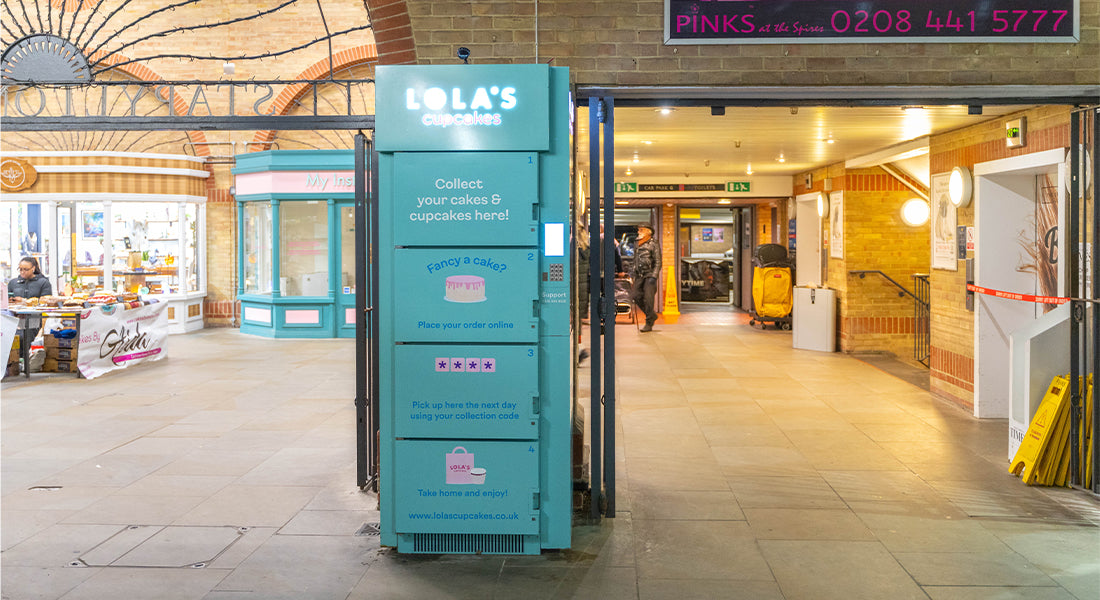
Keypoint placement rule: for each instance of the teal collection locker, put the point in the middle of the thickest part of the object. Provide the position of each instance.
(475, 404)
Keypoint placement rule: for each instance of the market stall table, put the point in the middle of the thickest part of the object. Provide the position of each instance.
(30, 319)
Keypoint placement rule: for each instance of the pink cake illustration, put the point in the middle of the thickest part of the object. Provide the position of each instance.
(465, 288)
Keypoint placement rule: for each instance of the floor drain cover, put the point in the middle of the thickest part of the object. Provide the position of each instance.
(162, 546)
(368, 529)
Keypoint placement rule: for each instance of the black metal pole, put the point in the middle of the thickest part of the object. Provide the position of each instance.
(373, 319)
(1094, 257)
(1077, 289)
(362, 442)
(608, 305)
(594, 117)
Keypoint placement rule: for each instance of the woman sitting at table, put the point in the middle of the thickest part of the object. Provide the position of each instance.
(31, 283)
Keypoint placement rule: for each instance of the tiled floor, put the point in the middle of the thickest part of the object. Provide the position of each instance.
(745, 469)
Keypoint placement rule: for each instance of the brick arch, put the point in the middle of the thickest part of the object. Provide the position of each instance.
(360, 55)
(392, 31)
(143, 73)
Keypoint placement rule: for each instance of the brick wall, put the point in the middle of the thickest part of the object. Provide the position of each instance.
(619, 42)
(874, 317)
(952, 325)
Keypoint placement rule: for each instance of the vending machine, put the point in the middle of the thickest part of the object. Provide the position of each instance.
(473, 307)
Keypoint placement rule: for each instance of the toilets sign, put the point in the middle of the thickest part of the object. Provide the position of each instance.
(475, 107)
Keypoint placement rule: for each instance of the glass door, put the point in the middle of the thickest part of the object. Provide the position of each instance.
(345, 263)
(66, 248)
(707, 254)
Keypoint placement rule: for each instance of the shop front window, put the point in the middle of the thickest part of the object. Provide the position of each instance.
(90, 231)
(145, 247)
(303, 248)
(257, 248)
(706, 254)
(8, 251)
(347, 248)
(191, 248)
(24, 236)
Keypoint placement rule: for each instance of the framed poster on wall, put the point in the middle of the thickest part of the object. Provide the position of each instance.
(944, 219)
(836, 225)
(92, 222)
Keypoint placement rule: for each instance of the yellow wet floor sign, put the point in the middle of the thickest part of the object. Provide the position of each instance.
(1089, 437)
(1039, 454)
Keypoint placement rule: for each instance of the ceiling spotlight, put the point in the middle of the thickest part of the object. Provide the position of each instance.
(748, 171)
(724, 201)
(830, 140)
(665, 110)
(781, 158)
(622, 202)
(794, 110)
(736, 143)
(636, 159)
(647, 142)
(706, 163)
(629, 171)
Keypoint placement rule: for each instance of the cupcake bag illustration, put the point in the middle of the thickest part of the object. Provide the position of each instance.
(461, 469)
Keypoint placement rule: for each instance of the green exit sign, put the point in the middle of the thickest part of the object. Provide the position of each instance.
(737, 186)
(623, 187)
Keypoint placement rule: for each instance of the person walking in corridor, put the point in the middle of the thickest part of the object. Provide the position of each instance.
(646, 268)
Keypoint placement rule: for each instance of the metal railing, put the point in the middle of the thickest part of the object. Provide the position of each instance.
(921, 316)
(922, 331)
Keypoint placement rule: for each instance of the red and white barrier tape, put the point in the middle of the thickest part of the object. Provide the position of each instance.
(1022, 297)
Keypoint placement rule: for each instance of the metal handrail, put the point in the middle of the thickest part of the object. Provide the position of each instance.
(901, 287)
(921, 312)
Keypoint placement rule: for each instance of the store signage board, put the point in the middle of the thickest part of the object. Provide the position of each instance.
(453, 198)
(471, 107)
(460, 484)
(466, 295)
(454, 391)
(870, 21)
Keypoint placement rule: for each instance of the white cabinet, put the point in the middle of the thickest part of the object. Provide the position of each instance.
(814, 319)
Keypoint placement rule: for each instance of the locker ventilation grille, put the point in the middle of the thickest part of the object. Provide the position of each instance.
(462, 543)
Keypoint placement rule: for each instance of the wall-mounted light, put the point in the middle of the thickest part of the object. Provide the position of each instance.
(822, 205)
(915, 212)
(960, 187)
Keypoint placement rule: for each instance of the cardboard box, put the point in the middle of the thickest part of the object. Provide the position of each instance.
(50, 341)
(61, 353)
(53, 365)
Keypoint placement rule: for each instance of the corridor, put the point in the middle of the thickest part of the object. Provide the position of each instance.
(745, 470)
